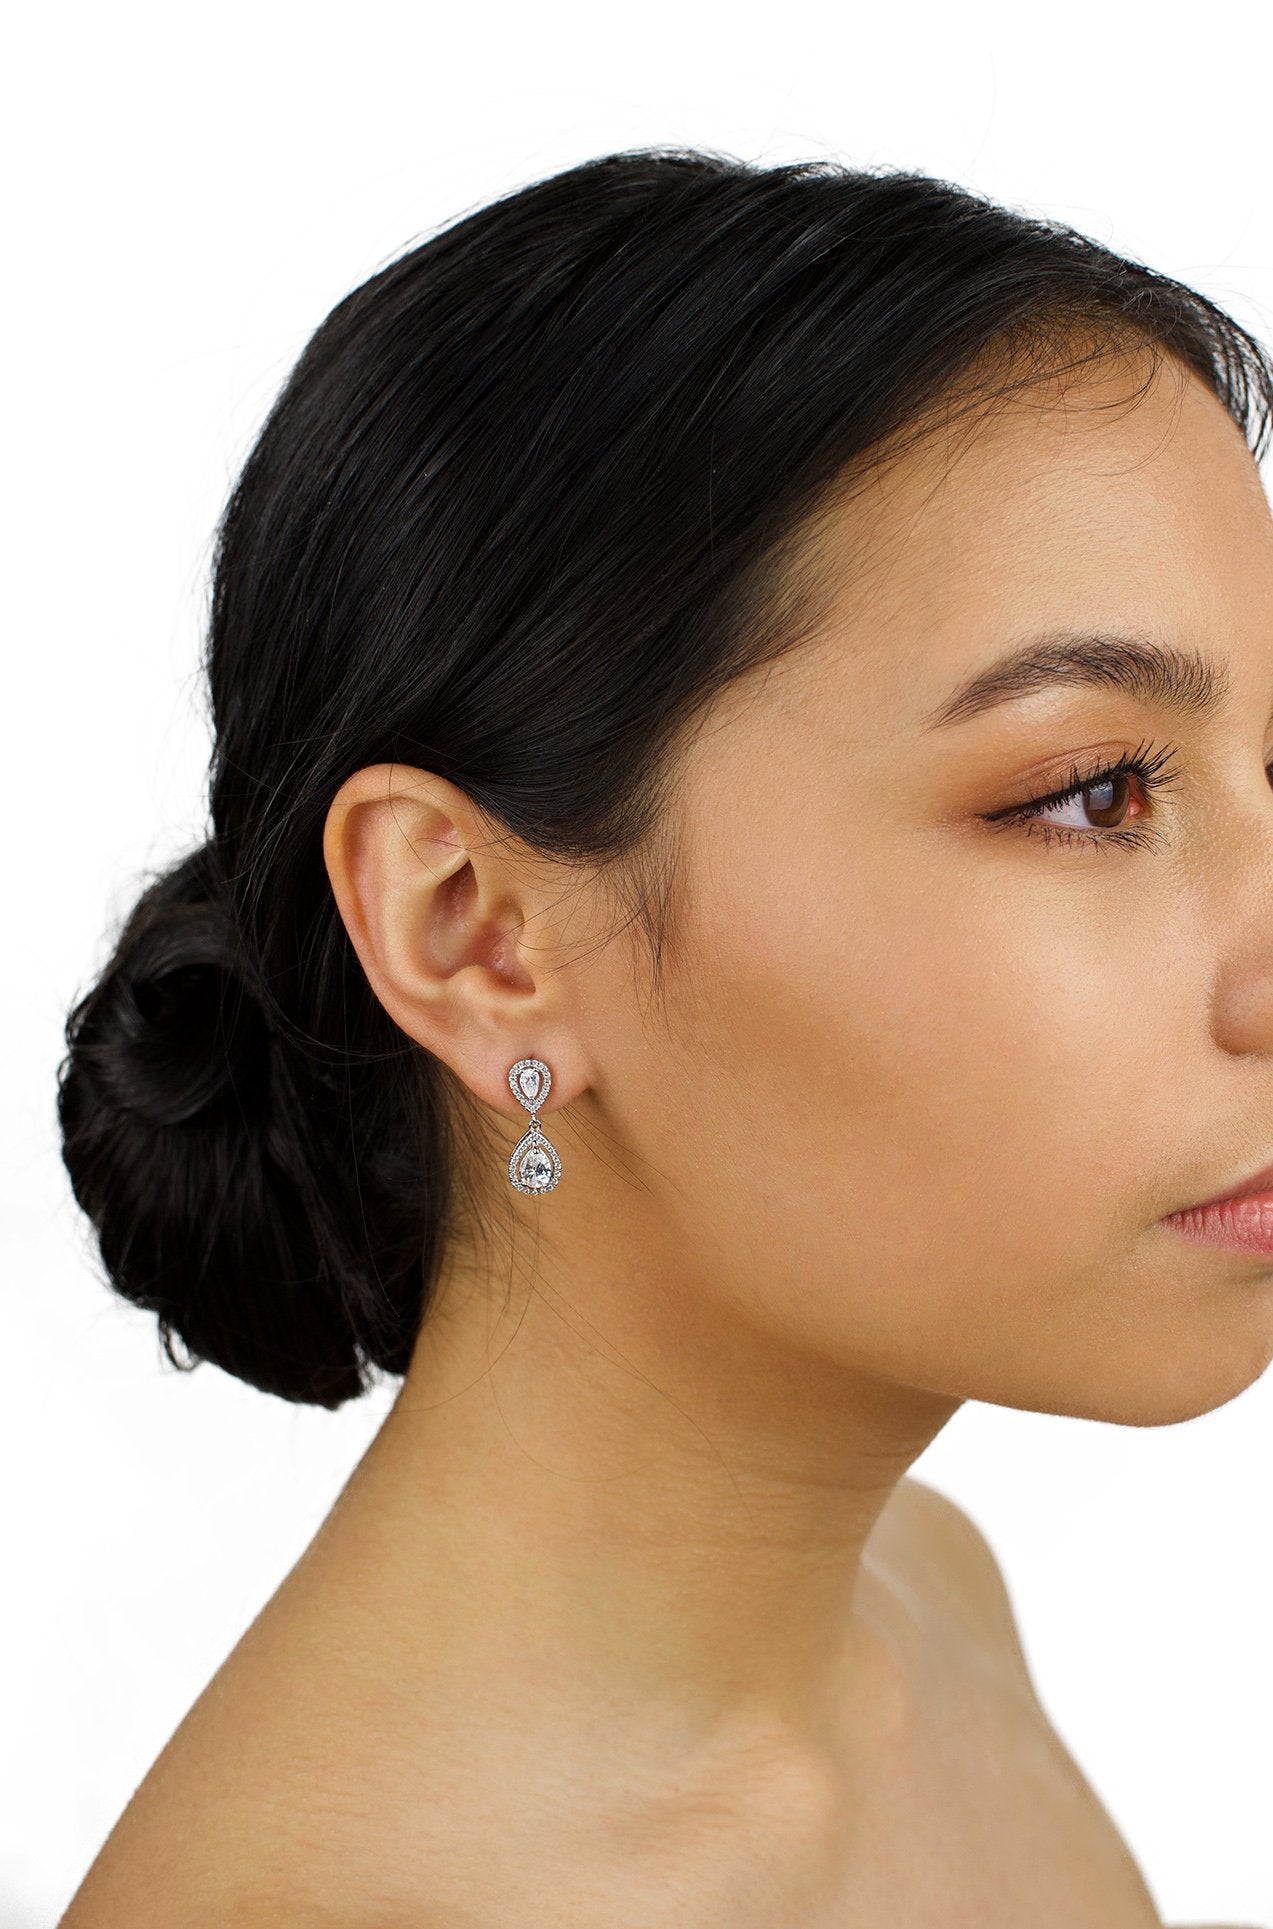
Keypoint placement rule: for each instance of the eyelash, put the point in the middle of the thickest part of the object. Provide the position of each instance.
(1153, 773)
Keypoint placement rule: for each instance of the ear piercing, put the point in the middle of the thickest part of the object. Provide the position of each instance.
(534, 1166)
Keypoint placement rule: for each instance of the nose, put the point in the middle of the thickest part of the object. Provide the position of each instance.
(1239, 885)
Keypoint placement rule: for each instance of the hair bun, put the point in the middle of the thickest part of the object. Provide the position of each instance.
(174, 1028)
(216, 1168)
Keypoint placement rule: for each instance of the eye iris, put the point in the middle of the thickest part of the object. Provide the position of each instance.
(1100, 810)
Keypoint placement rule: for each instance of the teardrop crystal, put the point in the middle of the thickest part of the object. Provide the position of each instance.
(534, 1166)
(530, 1080)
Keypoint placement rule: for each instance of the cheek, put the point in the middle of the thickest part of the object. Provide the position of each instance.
(938, 1095)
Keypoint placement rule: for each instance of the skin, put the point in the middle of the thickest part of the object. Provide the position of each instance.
(632, 1611)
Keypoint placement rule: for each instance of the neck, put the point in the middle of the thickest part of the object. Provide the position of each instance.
(606, 1491)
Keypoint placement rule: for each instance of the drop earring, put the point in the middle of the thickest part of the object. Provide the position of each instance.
(534, 1166)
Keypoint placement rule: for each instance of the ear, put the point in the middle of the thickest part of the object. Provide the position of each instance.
(456, 940)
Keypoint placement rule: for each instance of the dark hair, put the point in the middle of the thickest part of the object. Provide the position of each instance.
(531, 497)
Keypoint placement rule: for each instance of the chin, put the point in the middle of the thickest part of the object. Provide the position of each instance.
(1161, 1395)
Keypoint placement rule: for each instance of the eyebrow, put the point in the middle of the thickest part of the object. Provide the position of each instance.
(1185, 681)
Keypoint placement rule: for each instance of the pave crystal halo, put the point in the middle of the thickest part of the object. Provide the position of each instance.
(534, 1166)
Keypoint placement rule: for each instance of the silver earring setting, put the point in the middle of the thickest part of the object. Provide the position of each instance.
(534, 1166)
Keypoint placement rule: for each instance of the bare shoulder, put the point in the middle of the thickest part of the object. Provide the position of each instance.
(941, 1548)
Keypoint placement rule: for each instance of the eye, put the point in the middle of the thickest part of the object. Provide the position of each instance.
(1113, 797)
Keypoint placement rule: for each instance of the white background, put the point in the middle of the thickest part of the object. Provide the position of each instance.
(189, 191)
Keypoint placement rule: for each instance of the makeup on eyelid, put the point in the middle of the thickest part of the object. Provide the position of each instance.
(1151, 774)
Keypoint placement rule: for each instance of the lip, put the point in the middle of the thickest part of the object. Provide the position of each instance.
(1241, 1218)
(1261, 1181)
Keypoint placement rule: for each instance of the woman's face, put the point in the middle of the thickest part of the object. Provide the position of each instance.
(932, 1076)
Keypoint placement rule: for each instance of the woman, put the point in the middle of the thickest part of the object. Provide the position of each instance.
(742, 704)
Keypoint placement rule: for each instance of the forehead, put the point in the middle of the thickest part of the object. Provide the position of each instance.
(1110, 497)
(1112, 454)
